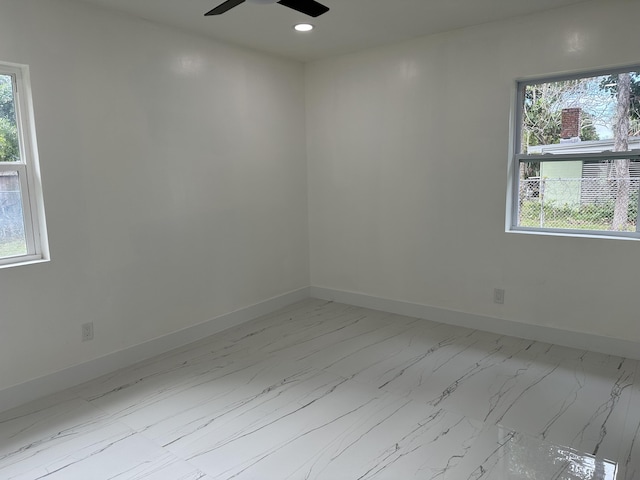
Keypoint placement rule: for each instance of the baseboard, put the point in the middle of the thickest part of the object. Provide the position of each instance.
(579, 340)
(72, 376)
(61, 380)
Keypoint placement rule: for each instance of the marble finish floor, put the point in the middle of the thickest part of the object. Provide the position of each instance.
(321, 390)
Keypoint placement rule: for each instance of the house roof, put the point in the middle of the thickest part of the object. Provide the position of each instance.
(592, 146)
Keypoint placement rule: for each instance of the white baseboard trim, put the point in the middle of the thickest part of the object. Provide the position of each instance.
(40, 387)
(583, 341)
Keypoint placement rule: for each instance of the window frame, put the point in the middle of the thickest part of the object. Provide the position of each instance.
(516, 158)
(28, 169)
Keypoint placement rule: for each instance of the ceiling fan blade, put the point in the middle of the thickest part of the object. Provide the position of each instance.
(308, 7)
(223, 7)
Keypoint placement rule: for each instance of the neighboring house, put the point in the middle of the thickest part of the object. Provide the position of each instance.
(578, 182)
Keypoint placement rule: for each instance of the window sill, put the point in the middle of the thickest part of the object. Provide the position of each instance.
(22, 260)
(576, 234)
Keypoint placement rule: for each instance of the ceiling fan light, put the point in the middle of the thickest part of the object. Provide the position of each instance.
(303, 27)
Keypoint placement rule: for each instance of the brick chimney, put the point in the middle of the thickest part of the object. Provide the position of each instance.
(570, 124)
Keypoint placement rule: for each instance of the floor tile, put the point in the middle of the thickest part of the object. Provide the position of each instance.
(110, 452)
(581, 402)
(329, 427)
(64, 437)
(629, 458)
(320, 390)
(502, 454)
(27, 431)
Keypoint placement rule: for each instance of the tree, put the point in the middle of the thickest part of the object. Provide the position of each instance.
(621, 144)
(625, 87)
(610, 85)
(7, 106)
(542, 117)
(542, 114)
(9, 149)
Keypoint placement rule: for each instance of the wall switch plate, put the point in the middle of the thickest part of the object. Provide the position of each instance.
(498, 295)
(87, 331)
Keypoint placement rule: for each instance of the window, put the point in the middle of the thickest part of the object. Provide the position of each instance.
(576, 162)
(22, 233)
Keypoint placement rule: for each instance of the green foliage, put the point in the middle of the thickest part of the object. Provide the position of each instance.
(596, 212)
(9, 149)
(12, 247)
(610, 84)
(587, 128)
(591, 216)
(542, 114)
(7, 106)
(632, 213)
(552, 212)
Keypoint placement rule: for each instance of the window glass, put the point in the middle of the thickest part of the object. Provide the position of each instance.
(12, 237)
(579, 195)
(9, 147)
(578, 154)
(22, 227)
(584, 115)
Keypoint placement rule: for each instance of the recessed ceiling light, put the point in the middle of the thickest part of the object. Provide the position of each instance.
(303, 27)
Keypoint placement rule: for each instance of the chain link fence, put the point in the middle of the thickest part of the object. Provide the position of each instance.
(605, 204)
(12, 234)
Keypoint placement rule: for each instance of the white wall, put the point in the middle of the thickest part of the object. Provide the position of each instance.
(408, 154)
(174, 177)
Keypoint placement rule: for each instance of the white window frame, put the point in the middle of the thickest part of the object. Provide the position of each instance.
(517, 158)
(28, 170)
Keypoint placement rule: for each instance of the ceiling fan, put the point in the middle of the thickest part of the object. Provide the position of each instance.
(308, 7)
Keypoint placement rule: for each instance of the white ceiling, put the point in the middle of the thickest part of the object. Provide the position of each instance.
(349, 26)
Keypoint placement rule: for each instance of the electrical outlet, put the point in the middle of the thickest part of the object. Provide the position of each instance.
(87, 331)
(498, 295)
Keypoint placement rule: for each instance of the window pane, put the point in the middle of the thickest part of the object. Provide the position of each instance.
(585, 115)
(12, 235)
(9, 148)
(579, 195)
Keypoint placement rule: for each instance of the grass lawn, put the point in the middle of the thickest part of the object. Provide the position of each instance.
(12, 247)
(597, 218)
(573, 225)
